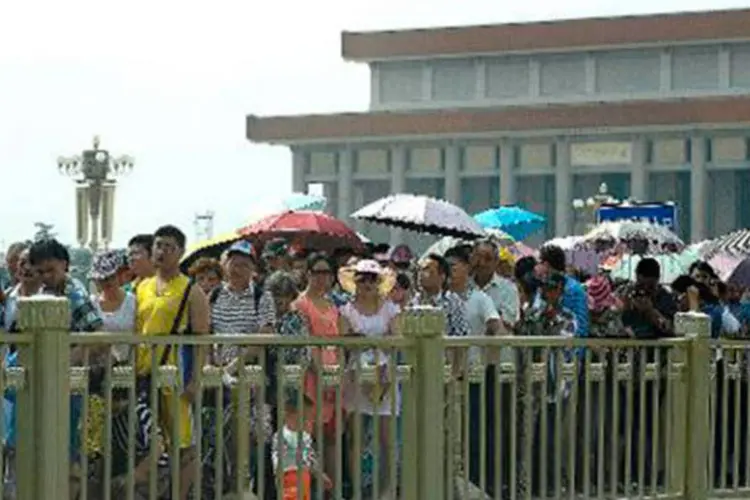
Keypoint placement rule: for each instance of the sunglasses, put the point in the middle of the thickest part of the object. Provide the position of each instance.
(366, 278)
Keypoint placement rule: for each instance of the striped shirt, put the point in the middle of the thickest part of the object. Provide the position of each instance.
(143, 428)
(235, 313)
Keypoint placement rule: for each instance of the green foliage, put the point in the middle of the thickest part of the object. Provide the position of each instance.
(80, 263)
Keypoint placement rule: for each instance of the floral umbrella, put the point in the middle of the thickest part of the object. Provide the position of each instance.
(421, 213)
(736, 244)
(211, 247)
(638, 237)
(514, 220)
(310, 229)
(444, 244)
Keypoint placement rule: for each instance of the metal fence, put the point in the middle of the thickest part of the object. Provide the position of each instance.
(413, 416)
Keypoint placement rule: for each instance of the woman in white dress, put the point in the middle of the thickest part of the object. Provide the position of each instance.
(371, 314)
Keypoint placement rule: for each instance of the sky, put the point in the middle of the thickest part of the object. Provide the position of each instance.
(170, 83)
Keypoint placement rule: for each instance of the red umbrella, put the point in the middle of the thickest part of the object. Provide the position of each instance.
(315, 229)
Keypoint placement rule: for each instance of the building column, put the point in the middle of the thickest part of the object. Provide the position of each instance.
(638, 173)
(507, 175)
(345, 185)
(299, 167)
(563, 189)
(398, 185)
(452, 176)
(698, 188)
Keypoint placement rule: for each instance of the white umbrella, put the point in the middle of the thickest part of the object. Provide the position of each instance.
(421, 213)
(445, 243)
(626, 231)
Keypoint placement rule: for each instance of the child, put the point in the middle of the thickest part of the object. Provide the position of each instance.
(292, 450)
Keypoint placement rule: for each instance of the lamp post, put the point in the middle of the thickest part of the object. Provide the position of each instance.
(589, 206)
(95, 173)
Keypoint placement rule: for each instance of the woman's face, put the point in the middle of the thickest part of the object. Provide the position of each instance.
(282, 303)
(320, 276)
(208, 281)
(53, 272)
(108, 283)
(25, 272)
(367, 283)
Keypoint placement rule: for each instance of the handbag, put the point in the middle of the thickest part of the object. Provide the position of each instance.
(143, 382)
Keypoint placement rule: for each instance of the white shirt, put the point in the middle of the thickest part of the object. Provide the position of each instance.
(374, 326)
(121, 320)
(504, 295)
(479, 310)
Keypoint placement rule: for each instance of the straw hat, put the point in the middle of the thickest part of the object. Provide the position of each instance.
(386, 278)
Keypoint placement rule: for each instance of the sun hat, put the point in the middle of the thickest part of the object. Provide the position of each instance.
(105, 265)
(347, 276)
(242, 247)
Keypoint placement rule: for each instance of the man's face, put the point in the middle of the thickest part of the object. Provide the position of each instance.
(239, 269)
(53, 272)
(701, 276)
(646, 282)
(430, 278)
(734, 293)
(459, 270)
(166, 253)
(140, 260)
(484, 260)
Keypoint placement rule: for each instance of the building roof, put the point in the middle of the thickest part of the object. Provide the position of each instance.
(476, 121)
(574, 34)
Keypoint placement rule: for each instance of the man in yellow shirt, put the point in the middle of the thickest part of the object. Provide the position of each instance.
(161, 312)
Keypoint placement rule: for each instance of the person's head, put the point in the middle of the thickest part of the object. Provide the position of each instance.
(104, 270)
(169, 245)
(283, 288)
(12, 256)
(276, 254)
(524, 274)
(433, 273)
(552, 287)
(298, 266)
(734, 293)
(51, 259)
(26, 274)
(401, 257)
(367, 276)
(552, 259)
(647, 274)
(207, 273)
(320, 273)
(459, 259)
(680, 288)
(505, 263)
(702, 272)
(124, 272)
(484, 260)
(139, 255)
(240, 264)
(401, 289)
(341, 256)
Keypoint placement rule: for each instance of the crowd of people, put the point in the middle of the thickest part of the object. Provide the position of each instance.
(292, 291)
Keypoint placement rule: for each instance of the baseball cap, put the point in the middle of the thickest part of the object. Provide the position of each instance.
(242, 247)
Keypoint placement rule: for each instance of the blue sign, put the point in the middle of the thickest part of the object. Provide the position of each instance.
(656, 213)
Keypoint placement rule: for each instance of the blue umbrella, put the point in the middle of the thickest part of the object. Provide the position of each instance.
(303, 201)
(512, 219)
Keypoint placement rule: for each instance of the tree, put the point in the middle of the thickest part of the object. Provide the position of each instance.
(80, 263)
(44, 231)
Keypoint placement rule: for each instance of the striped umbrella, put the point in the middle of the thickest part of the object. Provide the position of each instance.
(736, 244)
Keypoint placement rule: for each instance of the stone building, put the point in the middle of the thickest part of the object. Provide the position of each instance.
(539, 114)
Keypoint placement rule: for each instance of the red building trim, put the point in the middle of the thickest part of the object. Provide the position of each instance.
(536, 36)
(290, 129)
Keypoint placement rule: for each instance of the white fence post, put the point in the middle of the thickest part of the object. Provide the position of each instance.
(44, 435)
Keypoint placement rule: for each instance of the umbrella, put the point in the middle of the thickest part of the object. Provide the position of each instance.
(211, 247)
(672, 265)
(741, 274)
(736, 243)
(514, 220)
(304, 201)
(441, 246)
(312, 229)
(725, 264)
(421, 213)
(655, 238)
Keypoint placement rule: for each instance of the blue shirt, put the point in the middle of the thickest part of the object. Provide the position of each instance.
(574, 299)
(714, 312)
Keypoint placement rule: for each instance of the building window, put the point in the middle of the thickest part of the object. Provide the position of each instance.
(649, 152)
(688, 151)
(553, 155)
(747, 149)
(709, 150)
(516, 156)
